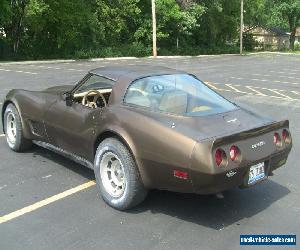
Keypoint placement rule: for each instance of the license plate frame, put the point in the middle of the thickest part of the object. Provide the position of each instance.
(257, 173)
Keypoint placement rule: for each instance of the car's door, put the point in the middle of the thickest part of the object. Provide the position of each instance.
(71, 127)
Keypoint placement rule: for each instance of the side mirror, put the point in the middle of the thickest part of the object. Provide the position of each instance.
(68, 98)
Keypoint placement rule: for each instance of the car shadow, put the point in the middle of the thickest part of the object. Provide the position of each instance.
(205, 210)
(208, 211)
(63, 161)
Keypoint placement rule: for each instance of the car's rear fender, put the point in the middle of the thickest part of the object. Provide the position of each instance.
(157, 149)
(119, 133)
(254, 144)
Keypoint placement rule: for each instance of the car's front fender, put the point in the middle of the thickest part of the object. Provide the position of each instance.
(15, 97)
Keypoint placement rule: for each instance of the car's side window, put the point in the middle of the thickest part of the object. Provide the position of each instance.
(179, 94)
(155, 93)
(138, 94)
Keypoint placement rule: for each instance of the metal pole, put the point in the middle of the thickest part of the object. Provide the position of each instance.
(154, 28)
(242, 27)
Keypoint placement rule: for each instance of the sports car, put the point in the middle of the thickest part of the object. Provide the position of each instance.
(148, 127)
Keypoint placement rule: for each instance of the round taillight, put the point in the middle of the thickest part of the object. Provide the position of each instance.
(284, 134)
(286, 137)
(220, 157)
(276, 139)
(234, 153)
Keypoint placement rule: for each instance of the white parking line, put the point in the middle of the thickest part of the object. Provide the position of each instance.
(45, 202)
(260, 80)
(282, 72)
(19, 71)
(278, 93)
(235, 89)
(238, 78)
(265, 80)
(296, 92)
(290, 77)
(287, 82)
(2, 135)
(214, 87)
(44, 67)
(80, 70)
(256, 91)
(261, 75)
(58, 68)
(53, 68)
(210, 85)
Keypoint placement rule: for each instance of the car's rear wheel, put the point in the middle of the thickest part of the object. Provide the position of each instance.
(117, 176)
(13, 130)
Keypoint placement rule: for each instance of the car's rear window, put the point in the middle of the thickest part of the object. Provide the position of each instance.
(180, 94)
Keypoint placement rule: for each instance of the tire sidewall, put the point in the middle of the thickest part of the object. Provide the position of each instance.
(117, 202)
(11, 109)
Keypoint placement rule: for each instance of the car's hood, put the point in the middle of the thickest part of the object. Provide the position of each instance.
(201, 128)
(59, 89)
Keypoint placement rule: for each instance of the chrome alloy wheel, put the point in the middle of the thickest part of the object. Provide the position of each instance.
(11, 128)
(112, 174)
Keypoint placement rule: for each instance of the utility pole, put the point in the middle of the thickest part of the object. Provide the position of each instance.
(242, 27)
(154, 28)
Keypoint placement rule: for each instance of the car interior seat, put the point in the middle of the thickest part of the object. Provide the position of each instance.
(174, 101)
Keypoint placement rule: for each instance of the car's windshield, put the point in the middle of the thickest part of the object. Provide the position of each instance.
(180, 94)
(95, 82)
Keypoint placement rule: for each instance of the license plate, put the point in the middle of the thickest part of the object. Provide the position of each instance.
(256, 173)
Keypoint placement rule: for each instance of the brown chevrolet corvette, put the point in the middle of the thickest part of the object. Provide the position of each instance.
(144, 127)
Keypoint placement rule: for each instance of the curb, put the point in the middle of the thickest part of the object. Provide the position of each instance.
(106, 59)
(274, 53)
(135, 58)
(66, 61)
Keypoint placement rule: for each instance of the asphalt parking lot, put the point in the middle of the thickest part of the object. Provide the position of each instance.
(79, 219)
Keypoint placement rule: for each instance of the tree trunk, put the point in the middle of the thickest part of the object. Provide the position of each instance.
(292, 40)
(17, 23)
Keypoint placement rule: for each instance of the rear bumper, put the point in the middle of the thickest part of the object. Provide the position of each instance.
(238, 177)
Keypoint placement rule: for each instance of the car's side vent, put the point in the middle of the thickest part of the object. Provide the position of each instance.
(37, 128)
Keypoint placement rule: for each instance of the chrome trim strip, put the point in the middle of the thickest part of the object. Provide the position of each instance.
(78, 159)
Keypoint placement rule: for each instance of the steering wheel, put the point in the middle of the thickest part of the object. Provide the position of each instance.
(93, 104)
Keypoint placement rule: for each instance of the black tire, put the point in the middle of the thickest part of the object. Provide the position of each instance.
(20, 143)
(134, 192)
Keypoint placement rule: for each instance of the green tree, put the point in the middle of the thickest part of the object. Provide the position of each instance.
(118, 19)
(63, 26)
(285, 14)
(12, 20)
(255, 13)
(174, 22)
(219, 23)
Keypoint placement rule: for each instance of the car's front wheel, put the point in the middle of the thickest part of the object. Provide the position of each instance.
(13, 130)
(117, 176)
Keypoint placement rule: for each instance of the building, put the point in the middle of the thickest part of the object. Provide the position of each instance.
(297, 35)
(269, 39)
